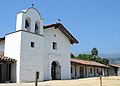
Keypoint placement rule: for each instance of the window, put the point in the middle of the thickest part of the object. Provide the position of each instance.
(54, 45)
(32, 44)
(91, 70)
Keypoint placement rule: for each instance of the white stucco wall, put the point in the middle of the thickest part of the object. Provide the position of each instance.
(2, 45)
(13, 49)
(62, 54)
(29, 60)
(32, 59)
(119, 71)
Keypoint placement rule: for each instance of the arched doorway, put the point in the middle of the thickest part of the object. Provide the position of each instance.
(55, 70)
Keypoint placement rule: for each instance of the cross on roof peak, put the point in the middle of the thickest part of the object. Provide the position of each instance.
(32, 5)
(59, 20)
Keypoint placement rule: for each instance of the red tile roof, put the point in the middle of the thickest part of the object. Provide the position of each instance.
(113, 65)
(3, 38)
(6, 59)
(64, 31)
(89, 63)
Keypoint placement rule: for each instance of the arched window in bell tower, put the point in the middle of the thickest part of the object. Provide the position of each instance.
(27, 23)
(37, 26)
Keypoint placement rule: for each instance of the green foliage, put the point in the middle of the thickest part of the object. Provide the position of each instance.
(99, 60)
(72, 56)
(85, 57)
(89, 57)
(92, 57)
(105, 61)
(94, 51)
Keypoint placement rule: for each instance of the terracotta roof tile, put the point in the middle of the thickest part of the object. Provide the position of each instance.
(113, 65)
(89, 63)
(3, 38)
(4, 58)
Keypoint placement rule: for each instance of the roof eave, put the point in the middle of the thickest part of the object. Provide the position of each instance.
(3, 38)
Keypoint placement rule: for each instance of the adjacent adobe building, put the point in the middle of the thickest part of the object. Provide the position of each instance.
(35, 48)
(83, 68)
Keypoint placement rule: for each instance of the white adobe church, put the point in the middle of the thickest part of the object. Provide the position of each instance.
(34, 47)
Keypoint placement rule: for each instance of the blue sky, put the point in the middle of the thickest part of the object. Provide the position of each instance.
(94, 23)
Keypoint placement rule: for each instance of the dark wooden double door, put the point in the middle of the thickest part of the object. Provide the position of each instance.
(55, 71)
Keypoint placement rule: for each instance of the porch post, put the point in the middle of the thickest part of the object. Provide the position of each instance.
(75, 71)
(85, 74)
(107, 72)
(94, 72)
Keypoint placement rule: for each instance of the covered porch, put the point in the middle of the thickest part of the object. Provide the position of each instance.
(7, 67)
(114, 70)
(83, 68)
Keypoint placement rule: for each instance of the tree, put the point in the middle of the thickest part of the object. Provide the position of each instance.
(72, 56)
(105, 61)
(94, 51)
(85, 56)
(98, 59)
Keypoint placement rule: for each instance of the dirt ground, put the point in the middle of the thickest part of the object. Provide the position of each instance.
(107, 81)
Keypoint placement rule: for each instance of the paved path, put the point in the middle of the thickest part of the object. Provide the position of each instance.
(22, 84)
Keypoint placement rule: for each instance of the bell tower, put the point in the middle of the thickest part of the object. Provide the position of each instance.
(30, 20)
(26, 45)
